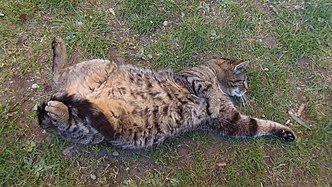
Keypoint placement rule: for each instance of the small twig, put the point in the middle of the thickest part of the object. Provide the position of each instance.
(280, 165)
(300, 110)
(298, 120)
(143, 155)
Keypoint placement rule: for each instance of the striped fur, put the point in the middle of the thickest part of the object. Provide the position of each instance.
(131, 107)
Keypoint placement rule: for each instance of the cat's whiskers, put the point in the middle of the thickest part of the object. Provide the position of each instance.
(244, 100)
(248, 101)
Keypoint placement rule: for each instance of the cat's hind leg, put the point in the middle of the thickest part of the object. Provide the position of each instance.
(60, 61)
(59, 113)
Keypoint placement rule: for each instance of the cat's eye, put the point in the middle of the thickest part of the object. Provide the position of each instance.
(237, 82)
(245, 84)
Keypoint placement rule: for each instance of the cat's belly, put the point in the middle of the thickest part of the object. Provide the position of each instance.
(86, 77)
(144, 109)
(144, 119)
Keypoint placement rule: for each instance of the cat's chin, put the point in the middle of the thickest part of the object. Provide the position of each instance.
(237, 94)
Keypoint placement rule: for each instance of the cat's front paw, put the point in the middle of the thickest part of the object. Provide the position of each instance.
(58, 111)
(286, 134)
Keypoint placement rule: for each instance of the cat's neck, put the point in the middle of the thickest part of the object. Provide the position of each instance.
(197, 79)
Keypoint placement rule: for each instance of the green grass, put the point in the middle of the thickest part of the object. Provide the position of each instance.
(145, 16)
(88, 29)
(295, 69)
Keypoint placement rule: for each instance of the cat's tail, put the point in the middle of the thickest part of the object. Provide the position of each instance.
(238, 125)
(60, 61)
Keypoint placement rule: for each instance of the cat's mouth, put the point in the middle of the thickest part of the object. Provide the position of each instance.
(242, 95)
(237, 93)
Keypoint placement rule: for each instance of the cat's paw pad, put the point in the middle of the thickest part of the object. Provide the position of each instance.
(57, 110)
(286, 135)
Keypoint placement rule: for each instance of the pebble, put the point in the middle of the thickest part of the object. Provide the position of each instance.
(165, 23)
(93, 176)
(34, 86)
(79, 23)
(297, 7)
(35, 108)
(115, 153)
(221, 164)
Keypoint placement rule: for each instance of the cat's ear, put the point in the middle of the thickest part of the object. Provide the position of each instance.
(240, 67)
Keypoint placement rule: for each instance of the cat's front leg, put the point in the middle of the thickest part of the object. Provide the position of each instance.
(237, 125)
(267, 127)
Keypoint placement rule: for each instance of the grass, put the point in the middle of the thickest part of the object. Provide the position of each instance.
(292, 68)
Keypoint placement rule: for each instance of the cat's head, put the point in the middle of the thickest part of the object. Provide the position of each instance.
(231, 76)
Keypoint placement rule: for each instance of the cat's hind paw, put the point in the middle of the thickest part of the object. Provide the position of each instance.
(58, 46)
(58, 111)
(287, 135)
(59, 56)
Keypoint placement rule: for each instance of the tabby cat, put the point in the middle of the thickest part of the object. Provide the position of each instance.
(132, 107)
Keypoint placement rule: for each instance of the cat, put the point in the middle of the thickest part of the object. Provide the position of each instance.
(132, 107)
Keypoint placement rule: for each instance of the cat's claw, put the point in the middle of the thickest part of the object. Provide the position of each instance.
(58, 95)
(286, 135)
(58, 45)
